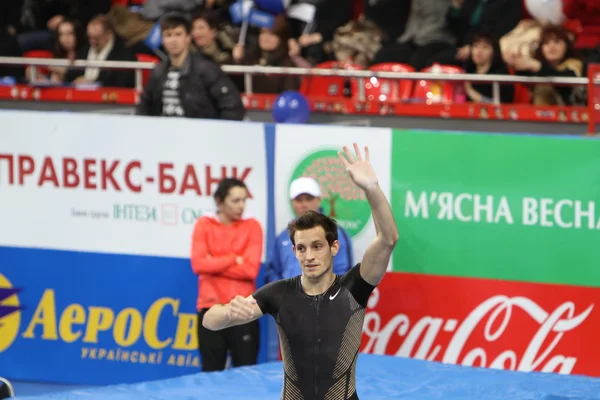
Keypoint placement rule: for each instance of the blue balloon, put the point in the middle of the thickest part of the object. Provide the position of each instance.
(291, 107)
(272, 6)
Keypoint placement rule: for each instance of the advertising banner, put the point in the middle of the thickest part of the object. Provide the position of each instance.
(116, 184)
(497, 206)
(496, 264)
(95, 238)
(312, 151)
(80, 317)
(485, 323)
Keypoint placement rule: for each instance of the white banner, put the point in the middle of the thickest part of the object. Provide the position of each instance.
(119, 184)
(303, 150)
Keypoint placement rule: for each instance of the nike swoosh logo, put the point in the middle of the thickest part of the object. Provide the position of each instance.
(336, 293)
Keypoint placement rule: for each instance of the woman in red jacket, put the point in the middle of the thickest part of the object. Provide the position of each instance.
(226, 256)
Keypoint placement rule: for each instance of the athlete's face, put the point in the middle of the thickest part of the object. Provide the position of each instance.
(313, 252)
(232, 207)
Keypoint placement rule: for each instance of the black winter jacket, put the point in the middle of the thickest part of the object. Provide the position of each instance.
(205, 91)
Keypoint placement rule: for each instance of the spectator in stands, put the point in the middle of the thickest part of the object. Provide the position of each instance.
(555, 56)
(357, 42)
(69, 40)
(425, 37)
(485, 58)
(188, 84)
(273, 51)
(104, 45)
(305, 195)
(315, 42)
(214, 44)
(37, 20)
(467, 18)
(226, 256)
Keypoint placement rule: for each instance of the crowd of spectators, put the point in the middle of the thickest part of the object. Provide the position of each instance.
(478, 36)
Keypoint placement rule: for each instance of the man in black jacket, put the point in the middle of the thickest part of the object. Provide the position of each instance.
(188, 84)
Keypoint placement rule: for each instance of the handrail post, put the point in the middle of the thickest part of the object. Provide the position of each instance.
(248, 82)
(496, 93)
(138, 80)
(593, 100)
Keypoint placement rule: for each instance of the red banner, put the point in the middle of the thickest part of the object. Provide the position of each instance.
(485, 323)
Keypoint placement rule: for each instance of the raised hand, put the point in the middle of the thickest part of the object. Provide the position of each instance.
(360, 169)
(241, 309)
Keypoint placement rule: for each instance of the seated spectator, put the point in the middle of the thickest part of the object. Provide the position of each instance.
(104, 45)
(466, 18)
(37, 21)
(555, 56)
(315, 40)
(188, 84)
(425, 37)
(69, 39)
(485, 58)
(273, 51)
(214, 44)
(357, 42)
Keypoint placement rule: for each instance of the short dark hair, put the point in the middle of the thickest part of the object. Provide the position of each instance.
(208, 16)
(312, 219)
(486, 37)
(551, 32)
(225, 187)
(173, 20)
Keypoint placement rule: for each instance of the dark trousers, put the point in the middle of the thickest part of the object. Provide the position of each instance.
(240, 341)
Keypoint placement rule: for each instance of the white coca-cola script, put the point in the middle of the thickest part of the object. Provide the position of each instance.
(496, 313)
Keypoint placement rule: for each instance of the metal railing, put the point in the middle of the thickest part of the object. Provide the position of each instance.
(250, 70)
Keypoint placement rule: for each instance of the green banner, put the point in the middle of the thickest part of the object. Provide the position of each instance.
(509, 207)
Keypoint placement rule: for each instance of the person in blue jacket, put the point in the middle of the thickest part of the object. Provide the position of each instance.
(305, 195)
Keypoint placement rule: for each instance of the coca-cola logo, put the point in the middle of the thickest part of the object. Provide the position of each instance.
(491, 320)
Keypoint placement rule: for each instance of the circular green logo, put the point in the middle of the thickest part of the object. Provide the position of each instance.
(341, 199)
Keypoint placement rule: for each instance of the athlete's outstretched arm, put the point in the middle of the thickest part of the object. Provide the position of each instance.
(238, 311)
(377, 256)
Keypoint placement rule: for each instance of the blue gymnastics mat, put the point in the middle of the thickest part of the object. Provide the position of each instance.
(378, 377)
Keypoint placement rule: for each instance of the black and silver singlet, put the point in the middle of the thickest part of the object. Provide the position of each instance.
(319, 335)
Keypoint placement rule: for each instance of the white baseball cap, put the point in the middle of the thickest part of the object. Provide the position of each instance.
(303, 185)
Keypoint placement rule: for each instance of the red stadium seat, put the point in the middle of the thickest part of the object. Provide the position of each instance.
(389, 90)
(39, 54)
(424, 88)
(327, 86)
(141, 57)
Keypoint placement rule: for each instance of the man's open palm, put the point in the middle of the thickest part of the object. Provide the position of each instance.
(359, 168)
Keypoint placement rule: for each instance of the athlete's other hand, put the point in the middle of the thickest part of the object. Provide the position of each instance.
(241, 309)
(360, 170)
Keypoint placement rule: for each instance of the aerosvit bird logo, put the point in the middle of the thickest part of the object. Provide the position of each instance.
(10, 313)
